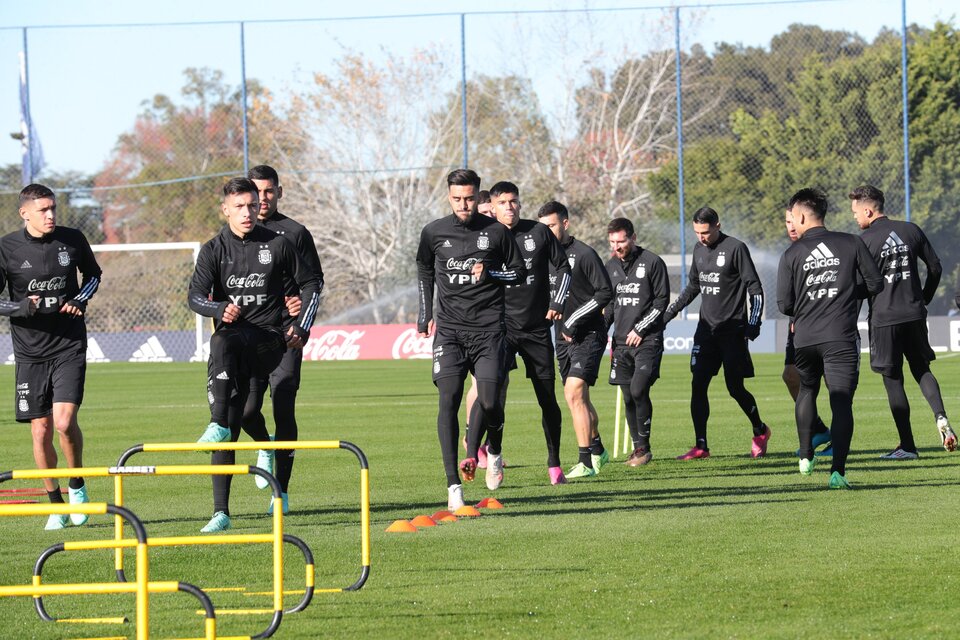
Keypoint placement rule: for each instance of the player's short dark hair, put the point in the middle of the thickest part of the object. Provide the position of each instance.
(621, 224)
(503, 187)
(554, 207)
(264, 172)
(35, 192)
(483, 197)
(706, 215)
(463, 178)
(239, 185)
(813, 199)
(868, 193)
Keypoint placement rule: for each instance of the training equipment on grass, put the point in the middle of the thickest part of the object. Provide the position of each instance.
(401, 526)
(143, 587)
(627, 445)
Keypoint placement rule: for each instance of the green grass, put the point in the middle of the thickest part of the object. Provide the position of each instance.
(728, 547)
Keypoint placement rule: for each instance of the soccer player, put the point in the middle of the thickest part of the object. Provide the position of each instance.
(581, 337)
(722, 273)
(641, 288)
(820, 280)
(240, 281)
(284, 381)
(468, 258)
(791, 376)
(898, 315)
(530, 309)
(39, 264)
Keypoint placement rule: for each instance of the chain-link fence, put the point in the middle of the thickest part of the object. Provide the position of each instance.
(364, 118)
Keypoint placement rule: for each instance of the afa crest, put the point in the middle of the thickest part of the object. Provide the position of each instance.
(721, 259)
(572, 260)
(63, 258)
(529, 244)
(265, 257)
(483, 242)
(641, 271)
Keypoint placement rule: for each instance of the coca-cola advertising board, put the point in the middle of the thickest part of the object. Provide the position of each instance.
(367, 342)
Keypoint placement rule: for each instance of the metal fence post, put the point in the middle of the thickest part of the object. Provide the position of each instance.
(243, 100)
(27, 171)
(683, 245)
(463, 85)
(906, 114)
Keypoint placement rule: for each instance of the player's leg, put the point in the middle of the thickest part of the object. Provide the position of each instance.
(645, 374)
(581, 365)
(71, 444)
(810, 368)
(449, 372)
(538, 356)
(841, 363)
(920, 355)
(737, 367)
(470, 401)
(886, 358)
(284, 385)
(226, 347)
(705, 362)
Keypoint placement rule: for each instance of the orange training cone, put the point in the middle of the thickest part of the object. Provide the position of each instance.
(493, 503)
(401, 526)
(423, 521)
(483, 503)
(467, 511)
(448, 518)
(439, 515)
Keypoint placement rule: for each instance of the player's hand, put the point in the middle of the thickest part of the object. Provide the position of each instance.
(429, 332)
(33, 305)
(566, 338)
(294, 341)
(633, 339)
(477, 271)
(231, 313)
(752, 331)
(293, 304)
(71, 310)
(554, 315)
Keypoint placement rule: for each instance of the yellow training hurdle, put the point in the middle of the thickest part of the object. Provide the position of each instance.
(143, 586)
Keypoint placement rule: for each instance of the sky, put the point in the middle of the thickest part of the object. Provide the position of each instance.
(90, 78)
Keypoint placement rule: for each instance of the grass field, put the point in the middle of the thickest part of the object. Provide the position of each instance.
(728, 547)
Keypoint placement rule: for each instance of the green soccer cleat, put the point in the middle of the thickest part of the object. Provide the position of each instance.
(219, 522)
(600, 461)
(214, 433)
(265, 460)
(581, 471)
(807, 465)
(78, 496)
(838, 481)
(286, 505)
(57, 521)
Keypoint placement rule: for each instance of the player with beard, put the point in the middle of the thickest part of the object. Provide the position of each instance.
(820, 281)
(898, 315)
(468, 258)
(581, 337)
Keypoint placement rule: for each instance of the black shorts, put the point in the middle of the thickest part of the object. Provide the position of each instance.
(40, 384)
(889, 345)
(580, 358)
(836, 362)
(258, 352)
(457, 352)
(536, 349)
(713, 350)
(287, 374)
(790, 354)
(629, 360)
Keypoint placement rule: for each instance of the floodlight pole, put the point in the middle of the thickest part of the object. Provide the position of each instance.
(906, 105)
(243, 100)
(680, 199)
(463, 85)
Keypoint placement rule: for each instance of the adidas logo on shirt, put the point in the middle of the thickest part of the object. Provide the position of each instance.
(820, 258)
(26, 265)
(223, 376)
(893, 245)
(151, 351)
(576, 365)
(446, 244)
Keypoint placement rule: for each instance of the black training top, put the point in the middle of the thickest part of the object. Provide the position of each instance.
(642, 291)
(447, 253)
(724, 275)
(527, 303)
(818, 285)
(47, 267)
(302, 240)
(250, 272)
(895, 246)
(589, 291)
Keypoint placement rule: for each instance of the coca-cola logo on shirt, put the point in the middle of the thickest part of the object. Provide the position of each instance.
(461, 265)
(628, 287)
(246, 282)
(409, 345)
(335, 344)
(53, 284)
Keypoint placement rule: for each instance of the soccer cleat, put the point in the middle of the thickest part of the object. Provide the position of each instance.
(494, 475)
(482, 457)
(219, 522)
(265, 460)
(581, 470)
(600, 461)
(556, 475)
(286, 505)
(818, 440)
(807, 465)
(900, 454)
(455, 497)
(214, 433)
(57, 521)
(947, 437)
(639, 457)
(695, 454)
(468, 469)
(758, 446)
(78, 496)
(838, 481)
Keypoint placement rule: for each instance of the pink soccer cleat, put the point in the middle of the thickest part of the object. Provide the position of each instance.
(758, 447)
(695, 454)
(556, 475)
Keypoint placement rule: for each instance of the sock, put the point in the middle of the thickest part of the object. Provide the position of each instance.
(596, 446)
(583, 454)
(55, 496)
(75, 483)
(702, 444)
(758, 431)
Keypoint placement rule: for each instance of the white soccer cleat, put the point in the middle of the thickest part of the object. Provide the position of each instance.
(494, 474)
(78, 496)
(454, 497)
(266, 459)
(900, 454)
(947, 437)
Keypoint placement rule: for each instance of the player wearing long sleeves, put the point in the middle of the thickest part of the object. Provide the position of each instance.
(531, 306)
(580, 337)
(820, 281)
(39, 266)
(284, 381)
(723, 274)
(240, 282)
(468, 258)
(641, 288)
(898, 315)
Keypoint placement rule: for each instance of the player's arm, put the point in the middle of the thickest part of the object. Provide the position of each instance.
(934, 268)
(201, 285)
(514, 269)
(558, 259)
(748, 274)
(596, 274)
(307, 249)
(425, 281)
(872, 279)
(786, 297)
(90, 273)
(306, 280)
(688, 295)
(15, 309)
(660, 287)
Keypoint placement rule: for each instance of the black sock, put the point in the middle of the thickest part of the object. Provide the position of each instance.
(702, 444)
(55, 496)
(596, 446)
(75, 483)
(584, 455)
